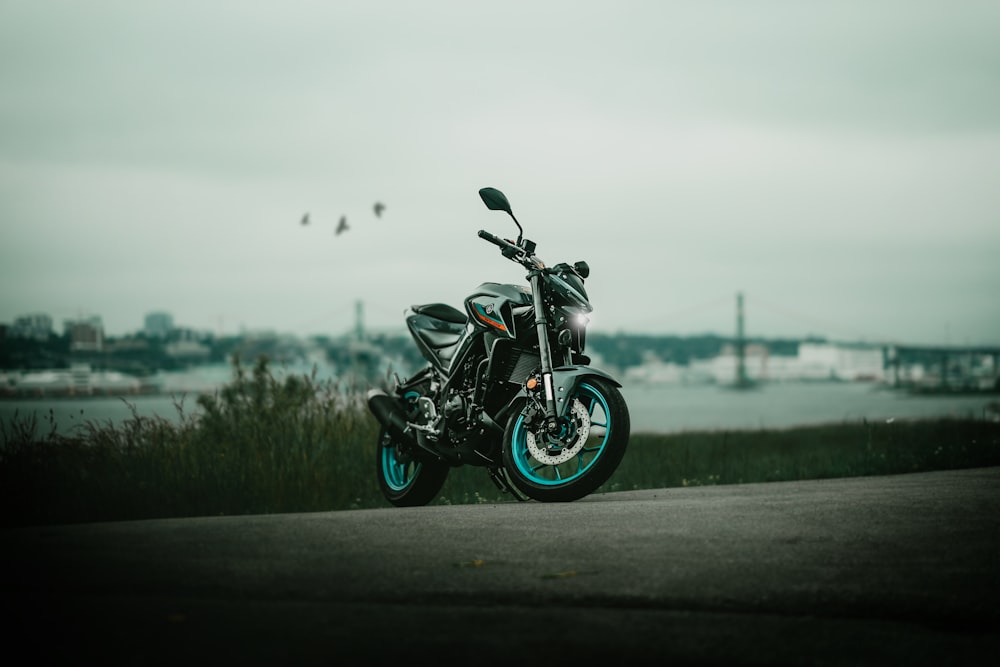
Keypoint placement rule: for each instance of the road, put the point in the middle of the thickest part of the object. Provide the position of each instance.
(900, 570)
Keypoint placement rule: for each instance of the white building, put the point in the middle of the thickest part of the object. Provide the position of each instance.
(813, 362)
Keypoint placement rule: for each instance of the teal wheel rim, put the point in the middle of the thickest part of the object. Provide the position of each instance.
(577, 466)
(398, 475)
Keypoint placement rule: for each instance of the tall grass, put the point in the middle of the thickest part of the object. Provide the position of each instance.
(849, 449)
(259, 445)
(263, 445)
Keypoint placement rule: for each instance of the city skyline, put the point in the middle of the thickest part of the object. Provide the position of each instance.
(160, 323)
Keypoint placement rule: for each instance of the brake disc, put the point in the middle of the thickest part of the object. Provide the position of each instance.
(554, 454)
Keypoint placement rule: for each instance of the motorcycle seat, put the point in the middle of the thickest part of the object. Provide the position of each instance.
(440, 336)
(441, 311)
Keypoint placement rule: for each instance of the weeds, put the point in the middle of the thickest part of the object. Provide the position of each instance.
(262, 445)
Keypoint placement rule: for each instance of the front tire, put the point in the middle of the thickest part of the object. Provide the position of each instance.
(573, 463)
(405, 480)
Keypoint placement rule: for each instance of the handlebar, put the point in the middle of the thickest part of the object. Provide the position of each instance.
(523, 254)
(495, 240)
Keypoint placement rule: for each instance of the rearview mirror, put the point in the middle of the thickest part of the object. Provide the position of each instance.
(495, 200)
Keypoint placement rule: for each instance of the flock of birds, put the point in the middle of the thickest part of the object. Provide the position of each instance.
(342, 224)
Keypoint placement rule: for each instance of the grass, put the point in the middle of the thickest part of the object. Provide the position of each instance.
(262, 445)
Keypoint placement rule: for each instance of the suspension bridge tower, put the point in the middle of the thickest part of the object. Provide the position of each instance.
(359, 320)
(742, 381)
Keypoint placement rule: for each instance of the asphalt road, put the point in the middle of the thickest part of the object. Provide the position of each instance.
(865, 571)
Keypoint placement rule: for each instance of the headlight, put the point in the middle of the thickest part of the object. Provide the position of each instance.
(569, 290)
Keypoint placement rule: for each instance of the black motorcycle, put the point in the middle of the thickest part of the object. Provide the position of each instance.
(507, 388)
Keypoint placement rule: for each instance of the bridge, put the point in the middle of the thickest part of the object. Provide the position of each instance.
(943, 368)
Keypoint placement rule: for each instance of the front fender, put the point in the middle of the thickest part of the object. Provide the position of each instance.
(565, 380)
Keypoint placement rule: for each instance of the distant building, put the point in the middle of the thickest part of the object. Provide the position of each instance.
(85, 334)
(813, 362)
(943, 368)
(158, 324)
(854, 362)
(36, 327)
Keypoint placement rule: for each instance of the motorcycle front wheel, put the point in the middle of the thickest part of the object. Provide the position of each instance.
(405, 480)
(578, 458)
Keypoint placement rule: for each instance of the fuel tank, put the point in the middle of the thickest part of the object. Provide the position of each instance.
(495, 307)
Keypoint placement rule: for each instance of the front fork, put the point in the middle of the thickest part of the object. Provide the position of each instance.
(545, 352)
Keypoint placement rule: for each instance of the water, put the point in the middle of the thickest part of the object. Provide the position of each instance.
(673, 408)
(68, 414)
(653, 408)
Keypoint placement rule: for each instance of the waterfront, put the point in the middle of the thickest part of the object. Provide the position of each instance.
(661, 408)
(673, 408)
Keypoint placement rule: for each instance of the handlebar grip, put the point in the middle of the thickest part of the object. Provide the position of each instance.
(483, 234)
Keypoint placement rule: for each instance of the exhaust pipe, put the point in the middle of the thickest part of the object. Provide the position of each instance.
(389, 414)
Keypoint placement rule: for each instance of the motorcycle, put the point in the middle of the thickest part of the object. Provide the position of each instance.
(507, 387)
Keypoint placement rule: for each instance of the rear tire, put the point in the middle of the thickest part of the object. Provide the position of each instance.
(405, 480)
(594, 435)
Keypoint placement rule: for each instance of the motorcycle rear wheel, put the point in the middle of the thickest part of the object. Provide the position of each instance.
(594, 436)
(406, 481)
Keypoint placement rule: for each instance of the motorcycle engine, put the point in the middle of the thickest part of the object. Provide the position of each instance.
(455, 408)
(458, 406)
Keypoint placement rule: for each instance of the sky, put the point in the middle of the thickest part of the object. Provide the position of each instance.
(836, 163)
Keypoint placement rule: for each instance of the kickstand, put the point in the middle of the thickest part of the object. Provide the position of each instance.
(502, 482)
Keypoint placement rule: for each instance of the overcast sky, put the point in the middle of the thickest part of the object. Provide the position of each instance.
(836, 162)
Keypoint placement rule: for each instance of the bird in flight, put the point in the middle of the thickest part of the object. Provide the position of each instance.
(379, 207)
(305, 219)
(342, 226)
